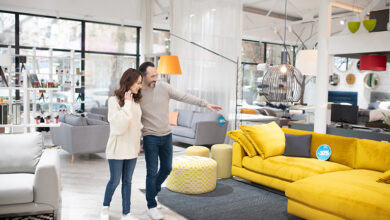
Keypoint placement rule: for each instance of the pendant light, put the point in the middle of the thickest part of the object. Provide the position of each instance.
(283, 82)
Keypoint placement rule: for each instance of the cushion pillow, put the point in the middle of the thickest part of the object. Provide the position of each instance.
(173, 118)
(20, 153)
(75, 120)
(240, 137)
(384, 178)
(297, 145)
(268, 139)
(185, 118)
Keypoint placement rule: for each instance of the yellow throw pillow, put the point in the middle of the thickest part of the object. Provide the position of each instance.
(240, 137)
(268, 139)
(384, 178)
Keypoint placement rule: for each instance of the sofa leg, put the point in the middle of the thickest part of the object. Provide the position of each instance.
(72, 158)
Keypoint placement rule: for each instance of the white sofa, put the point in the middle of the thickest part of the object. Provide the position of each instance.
(29, 176)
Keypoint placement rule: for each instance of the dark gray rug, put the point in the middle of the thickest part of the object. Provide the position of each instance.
(231, 199)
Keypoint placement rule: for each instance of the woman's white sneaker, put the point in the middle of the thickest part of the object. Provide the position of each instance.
(128, 217)
(155, 214)
(105, 213)
(158, 203)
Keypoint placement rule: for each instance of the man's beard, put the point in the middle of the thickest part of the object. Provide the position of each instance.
(152, 84)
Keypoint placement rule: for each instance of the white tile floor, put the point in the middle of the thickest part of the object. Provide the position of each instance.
(83, 185)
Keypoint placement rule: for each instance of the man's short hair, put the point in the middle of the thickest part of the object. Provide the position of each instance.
(144, 66)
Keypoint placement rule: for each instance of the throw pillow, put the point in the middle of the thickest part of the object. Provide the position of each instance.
(173, 118)
(240, 137)
(268, 139)
(248, 111)
(297, 145)
(384, 178)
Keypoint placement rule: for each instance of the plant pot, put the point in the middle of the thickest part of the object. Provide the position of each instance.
(369, 24)
(353, 26)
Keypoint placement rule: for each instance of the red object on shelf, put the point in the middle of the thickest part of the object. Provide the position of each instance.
(373, 62)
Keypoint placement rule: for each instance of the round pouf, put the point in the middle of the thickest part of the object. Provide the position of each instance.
(198, 151)
(222, 153)
(192, 175)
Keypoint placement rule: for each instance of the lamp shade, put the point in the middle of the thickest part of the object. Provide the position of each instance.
(169, 65)
(5, 60)
(373, 62)
(306, 62)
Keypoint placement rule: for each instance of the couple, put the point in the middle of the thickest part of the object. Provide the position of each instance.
(128, 113)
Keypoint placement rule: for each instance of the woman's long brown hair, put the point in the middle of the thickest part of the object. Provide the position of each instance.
(128, 79)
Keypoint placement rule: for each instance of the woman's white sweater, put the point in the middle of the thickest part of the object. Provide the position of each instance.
(125, 129)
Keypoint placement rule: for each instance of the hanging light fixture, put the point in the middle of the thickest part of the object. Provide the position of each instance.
(283, 82)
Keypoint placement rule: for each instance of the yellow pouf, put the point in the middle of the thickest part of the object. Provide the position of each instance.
(198, 151)
(222, 153)
(192, 175)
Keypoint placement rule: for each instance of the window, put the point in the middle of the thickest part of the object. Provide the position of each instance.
(7, 28)
(110, 38)
(102, 75)
(50, 32)
(252, 51)
(274, 52)
(252, 78)
(161, 41)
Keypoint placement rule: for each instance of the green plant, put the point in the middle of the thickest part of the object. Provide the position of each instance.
(386, 120)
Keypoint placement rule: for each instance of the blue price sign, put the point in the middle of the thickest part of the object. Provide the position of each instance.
(323, 152)
(221, 121)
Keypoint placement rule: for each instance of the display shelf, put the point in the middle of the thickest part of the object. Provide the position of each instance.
(46, 89)
(13, 88)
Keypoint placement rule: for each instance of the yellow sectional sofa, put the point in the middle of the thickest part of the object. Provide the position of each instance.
(344, 187)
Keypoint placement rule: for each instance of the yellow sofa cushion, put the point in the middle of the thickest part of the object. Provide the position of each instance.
(242, 139)
(352, 194)
(384, 178)
(238, 154)
(268, 139)
(373, 155)
(343, 148)
(290, 168)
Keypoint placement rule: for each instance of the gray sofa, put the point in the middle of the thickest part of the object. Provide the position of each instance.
(29, 176)
(99, 113)
(198, 128)
(79, 135)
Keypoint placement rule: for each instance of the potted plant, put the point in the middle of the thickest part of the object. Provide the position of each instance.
(57, 118)
(47, 119)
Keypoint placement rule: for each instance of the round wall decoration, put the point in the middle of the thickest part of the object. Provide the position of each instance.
(350, 79)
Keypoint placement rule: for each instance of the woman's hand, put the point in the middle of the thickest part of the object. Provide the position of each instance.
(128, 95)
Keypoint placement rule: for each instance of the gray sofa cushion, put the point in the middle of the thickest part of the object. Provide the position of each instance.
(185, 118)
(16, 188)
(75, 120)
(297, 145)
(20, 153)
(183, 131)
(204, 116)
(95, 116)
(91, 121)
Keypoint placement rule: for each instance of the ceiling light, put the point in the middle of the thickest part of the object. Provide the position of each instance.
(342, 22)
(213, 10)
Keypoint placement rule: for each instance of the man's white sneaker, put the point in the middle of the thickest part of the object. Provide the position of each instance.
(155, 214)
(105, 213)
(158, 203)
(128, 217)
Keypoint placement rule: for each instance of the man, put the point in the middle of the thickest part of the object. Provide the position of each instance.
(157, 136)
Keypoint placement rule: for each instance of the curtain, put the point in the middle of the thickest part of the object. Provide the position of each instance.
(215, 25)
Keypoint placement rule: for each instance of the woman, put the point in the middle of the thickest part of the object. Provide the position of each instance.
(124, 115)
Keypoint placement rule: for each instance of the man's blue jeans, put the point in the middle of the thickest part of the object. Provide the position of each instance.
(156, 147)
(118, 169)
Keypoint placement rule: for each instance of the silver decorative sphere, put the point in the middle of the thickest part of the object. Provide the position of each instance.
(282, 83)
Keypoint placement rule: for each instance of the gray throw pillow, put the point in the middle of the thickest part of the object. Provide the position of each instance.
(20, 153)
(185, 118)
(297, 145)
(75, 120)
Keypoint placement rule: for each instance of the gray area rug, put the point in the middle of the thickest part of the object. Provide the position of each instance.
(231, 199)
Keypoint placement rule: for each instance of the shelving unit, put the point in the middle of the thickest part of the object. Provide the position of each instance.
(30, 94)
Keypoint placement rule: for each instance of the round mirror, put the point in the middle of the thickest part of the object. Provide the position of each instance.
(334, 79)
(358, 65)
(343, 64)
(371, 80)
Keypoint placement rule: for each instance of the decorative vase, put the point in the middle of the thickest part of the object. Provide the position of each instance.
(369, 24)
(353, 26)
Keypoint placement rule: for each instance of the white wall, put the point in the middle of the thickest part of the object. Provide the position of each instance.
(358, 86)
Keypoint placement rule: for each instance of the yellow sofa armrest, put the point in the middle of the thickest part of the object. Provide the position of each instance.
(238, 154)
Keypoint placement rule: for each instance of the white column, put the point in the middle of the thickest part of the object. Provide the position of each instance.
(147, 28)
(320, 119)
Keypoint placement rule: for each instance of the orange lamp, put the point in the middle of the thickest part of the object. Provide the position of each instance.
(169, 65)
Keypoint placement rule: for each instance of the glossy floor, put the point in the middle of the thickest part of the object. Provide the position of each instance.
(84, 182)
